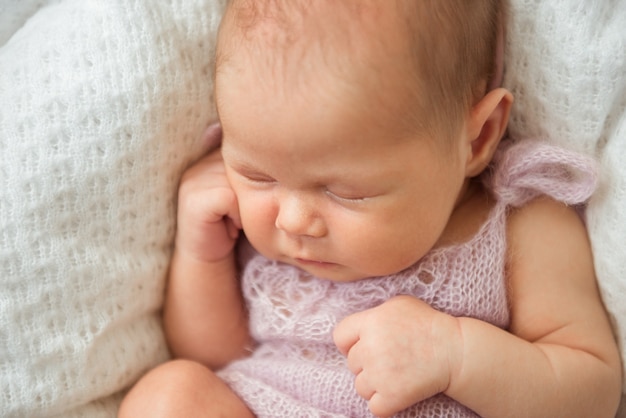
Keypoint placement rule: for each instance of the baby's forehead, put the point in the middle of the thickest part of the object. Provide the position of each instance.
(284, 26)
(357, 53)
(298, 15)
(296, 37)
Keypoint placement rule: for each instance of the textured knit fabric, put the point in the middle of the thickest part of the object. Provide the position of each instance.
(297, 371)
(566, 67)
(102, 107)
(90, 268)
(13, 16)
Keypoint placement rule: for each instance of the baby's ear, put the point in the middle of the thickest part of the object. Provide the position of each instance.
(487, 123)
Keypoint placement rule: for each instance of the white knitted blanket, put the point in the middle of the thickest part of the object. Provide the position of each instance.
(101, 107)
(566, 67)
(102, 104)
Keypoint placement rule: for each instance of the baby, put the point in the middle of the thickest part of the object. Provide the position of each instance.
(383, 270)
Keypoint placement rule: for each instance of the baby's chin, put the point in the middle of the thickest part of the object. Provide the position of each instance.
(325, 270)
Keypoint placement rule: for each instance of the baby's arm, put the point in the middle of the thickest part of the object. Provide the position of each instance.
(558, 360)
(561, 358)
(204, 315)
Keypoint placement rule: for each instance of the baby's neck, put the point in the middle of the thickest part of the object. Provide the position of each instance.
(469, 214)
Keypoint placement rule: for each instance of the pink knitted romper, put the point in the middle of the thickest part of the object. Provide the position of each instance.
(296, 370)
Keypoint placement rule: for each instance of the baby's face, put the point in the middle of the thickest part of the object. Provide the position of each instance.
(325, 179)
(322, 188)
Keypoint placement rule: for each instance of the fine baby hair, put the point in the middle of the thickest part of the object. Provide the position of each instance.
(345, 253)
(453, 54)
(95, 138)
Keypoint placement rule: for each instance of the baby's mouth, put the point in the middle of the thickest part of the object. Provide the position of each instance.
(316, 263)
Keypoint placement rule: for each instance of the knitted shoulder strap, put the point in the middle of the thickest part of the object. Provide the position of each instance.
(526, 169)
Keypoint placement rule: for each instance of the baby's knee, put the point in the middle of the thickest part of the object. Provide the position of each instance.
(182, 388)
(171, 389)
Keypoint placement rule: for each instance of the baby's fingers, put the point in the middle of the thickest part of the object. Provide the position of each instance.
(380, 407)
(212, 136)
(233, 222)
(347, 333)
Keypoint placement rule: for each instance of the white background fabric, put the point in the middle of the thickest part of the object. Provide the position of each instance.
(566, 67)
(102, 104)
(101, 107)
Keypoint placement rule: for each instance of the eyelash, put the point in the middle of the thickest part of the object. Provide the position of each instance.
(264, 180)
(258, 178)
(350, 199)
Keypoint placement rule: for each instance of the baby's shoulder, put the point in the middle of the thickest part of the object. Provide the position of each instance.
(546, 234)
(542, 216)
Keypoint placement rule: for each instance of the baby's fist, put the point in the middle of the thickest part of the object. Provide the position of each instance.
(208, 214)
(401, 352)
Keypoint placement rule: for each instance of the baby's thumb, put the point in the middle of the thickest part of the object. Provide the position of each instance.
(347, 333)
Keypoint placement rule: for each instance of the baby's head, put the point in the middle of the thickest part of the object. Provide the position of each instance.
(424, 63)
(351, 127)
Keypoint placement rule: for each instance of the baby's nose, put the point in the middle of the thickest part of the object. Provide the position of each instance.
(298, 216)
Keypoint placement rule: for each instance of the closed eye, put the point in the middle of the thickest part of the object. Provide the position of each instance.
(347, 197)
(258, 178)
(254, 176)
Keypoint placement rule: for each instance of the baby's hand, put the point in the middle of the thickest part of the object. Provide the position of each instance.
(401, 352)
(208, 214)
